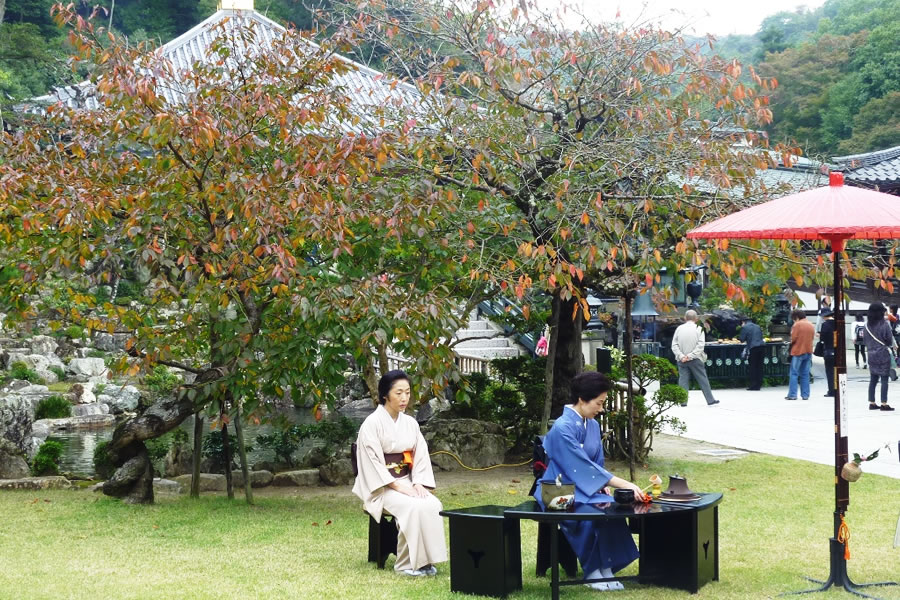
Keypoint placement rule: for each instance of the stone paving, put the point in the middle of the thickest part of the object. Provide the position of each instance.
(765, 422)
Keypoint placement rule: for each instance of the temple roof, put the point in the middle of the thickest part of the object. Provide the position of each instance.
(881, 168)
(366, 88)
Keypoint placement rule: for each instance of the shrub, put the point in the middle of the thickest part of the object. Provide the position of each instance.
(161, 381)
(96, 354)
(157, 448)
(74, 332)
(214, 448)
(58, 371)
(515, 399)
(46, 461)
(98, 389)
(19, 370)
(649, 415)
(335, 436)
(53, 407)
(103, 465)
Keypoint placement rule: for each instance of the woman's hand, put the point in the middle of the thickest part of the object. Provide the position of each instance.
(415, 490)
(618, 482)
(638, 494)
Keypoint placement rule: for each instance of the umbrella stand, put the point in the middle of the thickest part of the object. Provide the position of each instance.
(834, 213)
(838, 575)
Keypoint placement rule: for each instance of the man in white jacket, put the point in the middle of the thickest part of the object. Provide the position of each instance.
(687, 345)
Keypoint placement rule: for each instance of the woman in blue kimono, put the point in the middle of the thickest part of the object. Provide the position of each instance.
(575, 451)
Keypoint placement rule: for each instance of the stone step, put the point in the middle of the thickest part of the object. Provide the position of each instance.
(489, 353)
(481, 324)
(500, 342)
(464, 334)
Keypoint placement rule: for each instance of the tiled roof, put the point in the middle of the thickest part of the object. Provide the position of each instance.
(366, 88)
(880, 168)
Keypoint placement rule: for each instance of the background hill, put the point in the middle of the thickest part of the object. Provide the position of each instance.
(838, 65)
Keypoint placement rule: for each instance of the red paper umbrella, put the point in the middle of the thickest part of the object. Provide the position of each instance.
(825, 213)
(835, 213)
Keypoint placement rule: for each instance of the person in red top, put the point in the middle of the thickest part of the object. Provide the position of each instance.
(802, 334)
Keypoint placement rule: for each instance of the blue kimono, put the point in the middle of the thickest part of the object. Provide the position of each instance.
(575, 450)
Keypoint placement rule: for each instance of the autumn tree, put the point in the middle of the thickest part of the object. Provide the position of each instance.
(579, 147)
(249, 187)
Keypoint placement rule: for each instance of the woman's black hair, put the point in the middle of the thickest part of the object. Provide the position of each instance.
(588, 385)
(387, 381)
(875, 313)
(859, 316)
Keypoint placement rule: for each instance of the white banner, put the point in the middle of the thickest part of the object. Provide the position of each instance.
(842, 386)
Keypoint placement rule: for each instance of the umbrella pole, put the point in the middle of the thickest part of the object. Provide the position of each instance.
(837, 575)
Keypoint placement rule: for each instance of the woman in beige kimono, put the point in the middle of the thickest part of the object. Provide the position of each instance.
(395, 476)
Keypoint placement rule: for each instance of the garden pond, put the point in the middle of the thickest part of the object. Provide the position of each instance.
(78, 446)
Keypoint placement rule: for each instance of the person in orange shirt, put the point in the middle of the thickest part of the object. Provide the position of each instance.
(802, 334)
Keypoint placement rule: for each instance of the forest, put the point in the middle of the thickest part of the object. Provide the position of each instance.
(838, 66)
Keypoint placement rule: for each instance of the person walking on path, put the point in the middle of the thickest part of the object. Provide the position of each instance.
(826, 335)
(879, 344)
(802, 334)
(687, 346)
(859, 340)
(752, 336)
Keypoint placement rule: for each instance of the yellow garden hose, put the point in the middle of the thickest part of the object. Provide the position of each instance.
(477, 468)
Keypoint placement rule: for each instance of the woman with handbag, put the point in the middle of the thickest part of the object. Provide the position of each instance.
(859, 340)
(575, 450)
(395, 476)
(879, 342)
(826, 338)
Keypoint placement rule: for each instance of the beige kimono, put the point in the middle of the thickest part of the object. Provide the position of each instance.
(420, 540)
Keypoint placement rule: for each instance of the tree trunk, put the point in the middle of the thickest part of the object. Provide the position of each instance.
(551, 361)
(569, 359)
(630, 393)
(242, 451)
(226, 448)
(370, 375)
(2, 10)
(133, 479)
(198, 447)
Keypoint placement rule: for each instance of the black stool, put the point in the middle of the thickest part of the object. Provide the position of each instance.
(382, 534)
(382, 539)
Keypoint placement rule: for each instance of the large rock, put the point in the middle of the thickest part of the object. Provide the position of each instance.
(302, 478)
(120, 398)
(36, 483)
(163, 487)
(38, 363)
(12, 461)
(338, 471)
(42, 344)
(110, 342)
(83, 369)
(257, 478)
(209, 482)
(476, 443)
(85, 410)
(18, 400)
(82, 393)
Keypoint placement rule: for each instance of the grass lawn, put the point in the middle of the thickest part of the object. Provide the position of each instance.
(775, 522)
